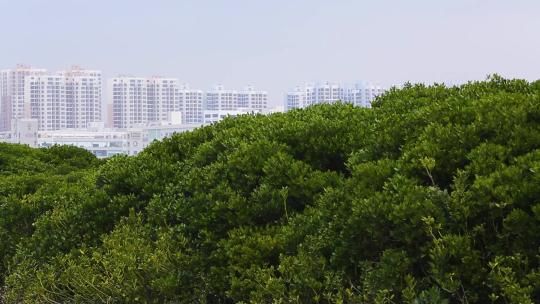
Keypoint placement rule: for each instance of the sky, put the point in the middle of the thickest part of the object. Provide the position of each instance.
(278, 44)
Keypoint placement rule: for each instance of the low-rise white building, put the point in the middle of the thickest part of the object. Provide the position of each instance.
(213, 116)
(103, 143)
(23, 131)
(109, 142)
(160, 132)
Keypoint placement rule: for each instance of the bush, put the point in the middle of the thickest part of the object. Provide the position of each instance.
(431, 196)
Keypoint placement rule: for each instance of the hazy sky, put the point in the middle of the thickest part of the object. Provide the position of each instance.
(276, 44)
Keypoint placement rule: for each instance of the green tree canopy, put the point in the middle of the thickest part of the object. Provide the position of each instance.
(430, 196)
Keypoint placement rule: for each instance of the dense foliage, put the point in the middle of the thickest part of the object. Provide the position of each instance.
(431, 196)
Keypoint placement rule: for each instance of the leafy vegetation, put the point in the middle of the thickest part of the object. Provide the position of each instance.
(431, 196)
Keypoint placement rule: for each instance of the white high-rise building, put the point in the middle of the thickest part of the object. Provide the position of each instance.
(251, 99)
(167, 95)
(12, 90)
(140, 101)
(360, 94)
(221, 103)
(329, 93)
(129, 101)
(4, 109)
(46, 97)
(191, 102)
(221, 99)
(68, 99)
(162, 98)
(299, 98)
(83, 97)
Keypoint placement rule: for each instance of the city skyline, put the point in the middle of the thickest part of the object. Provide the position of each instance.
(73, 75)
(73, 98)
(275, 44)
(182, 82)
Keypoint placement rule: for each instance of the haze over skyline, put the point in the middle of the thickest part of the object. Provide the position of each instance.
(275, 45)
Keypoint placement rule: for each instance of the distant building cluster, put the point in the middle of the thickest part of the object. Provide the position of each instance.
(41, 109)
(137, 101)
(360, 94)
(66, 99)
(102, 142)
(142, 101)
(72, 99)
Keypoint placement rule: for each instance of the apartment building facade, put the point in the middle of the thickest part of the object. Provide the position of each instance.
(252, 99)
(359, 94)
(145, 101)
(46, 96)
(83, 97)
(129, 98)
(221, 99)
(192, 102)
(67, 99)
(12, 88)
(362, 94)
(162, 98)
